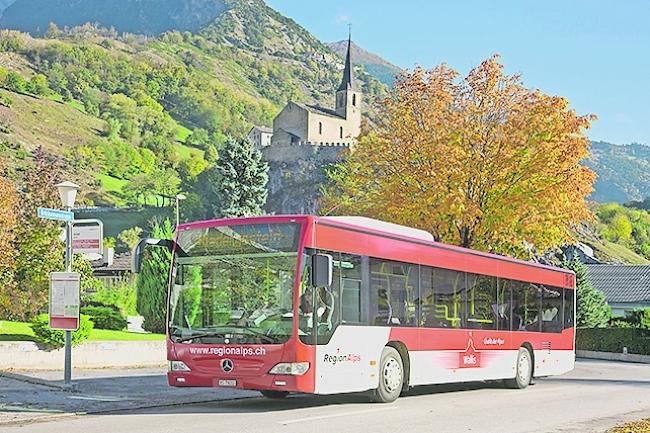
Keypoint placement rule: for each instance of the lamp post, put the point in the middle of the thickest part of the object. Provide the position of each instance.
(68, 194)
(179, 197)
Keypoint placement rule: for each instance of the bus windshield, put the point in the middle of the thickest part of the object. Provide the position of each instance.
(234, 284)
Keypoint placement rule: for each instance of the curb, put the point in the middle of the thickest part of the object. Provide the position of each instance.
(37, 381)
(54, 417)
(610, 356)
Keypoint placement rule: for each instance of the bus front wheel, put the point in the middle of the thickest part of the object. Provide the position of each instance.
(523, 370)
(391, 376)
(274, 394)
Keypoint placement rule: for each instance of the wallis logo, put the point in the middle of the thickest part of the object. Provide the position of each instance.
(470, 358)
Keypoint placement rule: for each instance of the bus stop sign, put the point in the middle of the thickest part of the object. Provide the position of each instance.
(64, 300)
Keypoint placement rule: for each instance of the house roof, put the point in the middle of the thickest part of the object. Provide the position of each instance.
(121, 263)
(264, 129)
(320, 110)
(620, 283)
(291, 134)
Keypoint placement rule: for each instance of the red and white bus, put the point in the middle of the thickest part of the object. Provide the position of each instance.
(331, 305)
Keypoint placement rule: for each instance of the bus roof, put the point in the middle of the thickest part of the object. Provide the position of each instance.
(419, 236)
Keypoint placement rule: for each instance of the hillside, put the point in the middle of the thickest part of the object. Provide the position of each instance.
(623, 172)
(373, 64)
(150, 17)
(128, 113)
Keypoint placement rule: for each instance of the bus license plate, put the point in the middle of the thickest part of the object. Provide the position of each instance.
(227, 382)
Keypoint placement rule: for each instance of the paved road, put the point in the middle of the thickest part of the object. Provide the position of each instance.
(592, 398)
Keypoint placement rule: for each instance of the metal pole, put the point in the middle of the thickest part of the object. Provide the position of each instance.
(178, 216)
(67, 375)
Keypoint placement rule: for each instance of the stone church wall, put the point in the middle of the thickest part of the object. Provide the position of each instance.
(293, 119)
(330, 129)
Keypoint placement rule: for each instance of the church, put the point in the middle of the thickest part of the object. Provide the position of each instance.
(305, 124)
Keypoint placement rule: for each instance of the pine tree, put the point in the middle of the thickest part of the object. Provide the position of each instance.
(151, 285)
(239, 180)
(592, 310)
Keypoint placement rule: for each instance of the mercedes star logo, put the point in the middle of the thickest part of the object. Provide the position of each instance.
(227, 365)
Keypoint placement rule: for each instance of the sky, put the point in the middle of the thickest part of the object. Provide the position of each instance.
(595, 53)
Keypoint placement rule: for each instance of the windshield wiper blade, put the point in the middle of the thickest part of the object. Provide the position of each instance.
(237, 329)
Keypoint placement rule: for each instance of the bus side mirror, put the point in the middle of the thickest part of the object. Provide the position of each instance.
(138, 252)
(321, 270)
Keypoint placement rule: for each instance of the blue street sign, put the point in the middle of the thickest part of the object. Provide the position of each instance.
(55, 214)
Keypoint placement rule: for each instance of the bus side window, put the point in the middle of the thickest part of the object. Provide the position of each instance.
(552, 310)
(568, 308)
(526, 314)
(504, 304)
(350, 298)
(482, 307)
(441, 297)
(395, 287)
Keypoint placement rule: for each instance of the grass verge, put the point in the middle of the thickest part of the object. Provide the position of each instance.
(21, 331)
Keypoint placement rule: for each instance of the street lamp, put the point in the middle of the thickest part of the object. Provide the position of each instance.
(179, 197)
(68, 194)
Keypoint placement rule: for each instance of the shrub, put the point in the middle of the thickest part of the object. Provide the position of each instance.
(619, 323)
(6, 101)
(56, 339)
(122, 297)
(639, 318)
(105, 317)
(613, 340)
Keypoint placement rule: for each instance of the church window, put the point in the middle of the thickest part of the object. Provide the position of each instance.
(341, 132)
(320, 127)
(354, 100)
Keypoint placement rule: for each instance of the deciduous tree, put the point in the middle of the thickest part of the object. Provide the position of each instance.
(39, 250)
(481, 162)
(8, 222)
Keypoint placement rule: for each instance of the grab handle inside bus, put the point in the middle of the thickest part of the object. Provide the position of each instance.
(321, 270)
(138, 252)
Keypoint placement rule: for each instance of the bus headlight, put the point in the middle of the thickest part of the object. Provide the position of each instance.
(290, 368)
(178, 366)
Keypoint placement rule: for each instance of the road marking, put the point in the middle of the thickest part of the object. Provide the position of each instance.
(98, 398)
(336, 415)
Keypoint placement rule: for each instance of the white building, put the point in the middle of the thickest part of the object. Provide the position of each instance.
(260, 136)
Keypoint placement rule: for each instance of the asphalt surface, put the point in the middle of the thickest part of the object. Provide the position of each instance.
(594, 397)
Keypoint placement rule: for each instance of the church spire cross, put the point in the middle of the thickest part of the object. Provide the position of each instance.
(348, 73)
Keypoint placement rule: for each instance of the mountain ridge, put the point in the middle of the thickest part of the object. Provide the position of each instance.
(149, 17)
(623, 171)
(375, 65)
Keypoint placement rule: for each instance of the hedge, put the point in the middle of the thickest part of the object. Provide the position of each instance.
(613, 340)
(105, 318)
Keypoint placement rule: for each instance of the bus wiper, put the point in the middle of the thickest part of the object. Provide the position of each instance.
(228, 332)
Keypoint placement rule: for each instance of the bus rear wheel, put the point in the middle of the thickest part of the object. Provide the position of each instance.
(391, 376)
(523, 370)
(276, 395)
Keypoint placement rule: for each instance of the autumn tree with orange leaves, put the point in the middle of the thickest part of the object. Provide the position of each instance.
(8, 223)
(482, 162)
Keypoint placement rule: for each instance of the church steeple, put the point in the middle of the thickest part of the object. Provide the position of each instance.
(348, 73)
(348, 99)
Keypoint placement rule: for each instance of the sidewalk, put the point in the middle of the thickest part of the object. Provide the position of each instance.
(30, 396)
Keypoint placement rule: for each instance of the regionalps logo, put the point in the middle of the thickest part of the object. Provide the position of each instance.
(339, 358)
